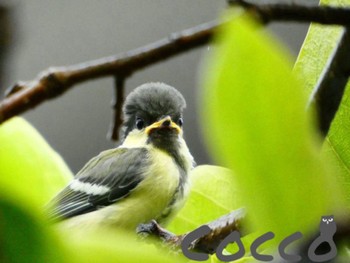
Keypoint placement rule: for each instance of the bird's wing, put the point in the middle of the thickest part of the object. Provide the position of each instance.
(104, 179)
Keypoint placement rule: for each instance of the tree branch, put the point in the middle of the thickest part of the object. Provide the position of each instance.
(327, 15)
(6, 37)
(117, 103)
(55, 81)
(220, 228)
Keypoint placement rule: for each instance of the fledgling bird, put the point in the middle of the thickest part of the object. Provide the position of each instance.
(145, 178)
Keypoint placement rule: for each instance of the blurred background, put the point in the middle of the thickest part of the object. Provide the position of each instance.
(65, 32)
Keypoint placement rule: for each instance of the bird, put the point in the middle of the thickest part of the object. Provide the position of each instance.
(144, 179)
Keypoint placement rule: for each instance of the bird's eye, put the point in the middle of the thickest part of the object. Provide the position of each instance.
(140, 124)
(180, 122)
(324, 219)
(330, 220)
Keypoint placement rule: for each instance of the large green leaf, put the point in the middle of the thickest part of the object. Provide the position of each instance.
(317, 48)
(260, 129)
(115, 246)
(23, 238)
(29, 168)
(30, 173)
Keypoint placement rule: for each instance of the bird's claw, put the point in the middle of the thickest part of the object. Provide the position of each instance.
(147, 229)
(154, 229)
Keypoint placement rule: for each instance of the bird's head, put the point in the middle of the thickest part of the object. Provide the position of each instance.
(153, 114)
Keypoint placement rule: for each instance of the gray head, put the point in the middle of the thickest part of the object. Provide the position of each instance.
(149, 103)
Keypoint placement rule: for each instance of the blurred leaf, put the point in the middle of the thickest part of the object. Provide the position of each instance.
(260, 129)
(214, 259)
(116, 246)
(213, 194)
(28, 166)
(317, 48)
(23, 238)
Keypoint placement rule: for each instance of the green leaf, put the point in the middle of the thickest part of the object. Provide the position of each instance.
(317, 48)
(23, 238)
(116, 246)
(255, 109)
(213, 194)
(29, 168)
(30, 174)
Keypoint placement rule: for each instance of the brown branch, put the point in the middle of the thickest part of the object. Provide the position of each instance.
(55, 81)
(292, 12)
(220, 228)
(6, 37)
(117, 103)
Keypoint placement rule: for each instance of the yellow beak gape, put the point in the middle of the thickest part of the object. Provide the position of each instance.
(163, 123)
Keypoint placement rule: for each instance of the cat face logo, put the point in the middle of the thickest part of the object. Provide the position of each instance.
(327, 220)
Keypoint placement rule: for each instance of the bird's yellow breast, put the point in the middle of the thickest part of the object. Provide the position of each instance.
(154, 193)
(146, 202)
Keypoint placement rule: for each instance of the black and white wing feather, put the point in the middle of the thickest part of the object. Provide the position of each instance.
(103, 180)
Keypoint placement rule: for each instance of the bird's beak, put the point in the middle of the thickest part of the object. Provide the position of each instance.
(165, 123)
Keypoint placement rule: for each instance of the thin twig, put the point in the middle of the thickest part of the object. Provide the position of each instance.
(117, 103)
(6, 37)
(330, 89)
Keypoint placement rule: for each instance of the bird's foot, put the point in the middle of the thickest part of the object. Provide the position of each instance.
(154, 229)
